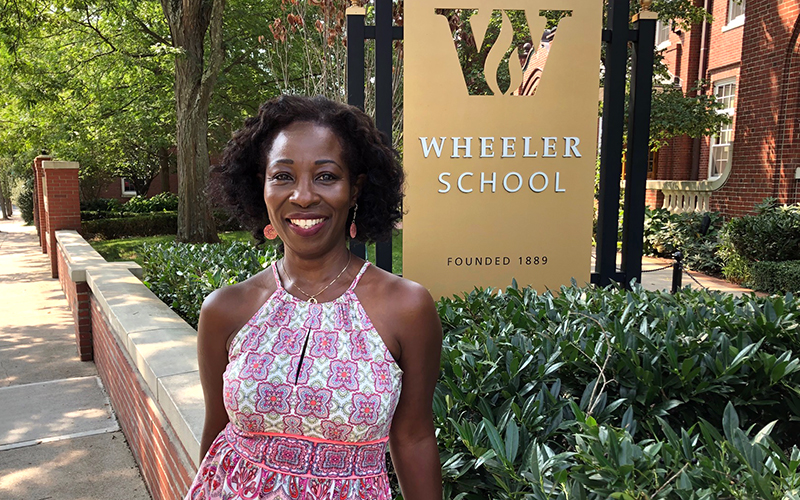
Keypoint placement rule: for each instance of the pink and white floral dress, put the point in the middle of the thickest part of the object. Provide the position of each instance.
(310, 392)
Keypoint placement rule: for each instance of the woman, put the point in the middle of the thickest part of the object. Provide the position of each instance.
(311, 366)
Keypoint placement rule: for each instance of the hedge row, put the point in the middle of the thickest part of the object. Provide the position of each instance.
(141, 225)
(598, 394)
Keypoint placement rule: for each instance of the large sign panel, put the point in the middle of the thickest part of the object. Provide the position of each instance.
(500, 140)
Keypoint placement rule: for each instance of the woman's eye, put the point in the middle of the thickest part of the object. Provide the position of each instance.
(327, 177)
(281, 177)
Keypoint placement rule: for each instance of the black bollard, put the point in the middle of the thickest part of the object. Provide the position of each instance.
(677, 271)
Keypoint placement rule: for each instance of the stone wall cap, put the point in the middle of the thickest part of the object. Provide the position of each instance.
(52, 165)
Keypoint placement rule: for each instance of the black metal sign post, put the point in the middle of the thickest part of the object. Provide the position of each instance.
(616, 38)
(384, 35)
(638, 144)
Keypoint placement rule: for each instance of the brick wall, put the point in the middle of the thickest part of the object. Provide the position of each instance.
(157, 450)
(114, 188)
(653, 198)
(78, 301)
(766, 152)
(62, 204)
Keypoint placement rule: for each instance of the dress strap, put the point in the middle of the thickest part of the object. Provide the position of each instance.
(358, 276)
(276, 275)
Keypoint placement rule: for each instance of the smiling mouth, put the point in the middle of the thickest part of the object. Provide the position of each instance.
(306, 223)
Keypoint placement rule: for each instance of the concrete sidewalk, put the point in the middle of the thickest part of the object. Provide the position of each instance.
(59, 438)
(655, 277)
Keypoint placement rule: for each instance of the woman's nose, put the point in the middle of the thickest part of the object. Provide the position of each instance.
(304, 193)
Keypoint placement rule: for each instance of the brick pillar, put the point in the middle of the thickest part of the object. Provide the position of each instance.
(62, 203)
(38, 204)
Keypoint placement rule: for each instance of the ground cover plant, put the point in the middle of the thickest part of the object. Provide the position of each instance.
(131, 248)
(762, 251)
(183, 274)
(695, 235)
(598, 394)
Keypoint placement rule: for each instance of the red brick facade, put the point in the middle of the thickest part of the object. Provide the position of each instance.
(761, 56)
(78, 300)
(767, 151)
(114, 189)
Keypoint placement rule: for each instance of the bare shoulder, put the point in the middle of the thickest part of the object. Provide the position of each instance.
(405, 296)
(227, 309)
(402, 311)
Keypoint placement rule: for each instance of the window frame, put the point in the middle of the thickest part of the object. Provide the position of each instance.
(734, 21)
(662, 27)
(126, 193)
(713, 172)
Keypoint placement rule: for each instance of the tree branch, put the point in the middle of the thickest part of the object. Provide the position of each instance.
(217, 55)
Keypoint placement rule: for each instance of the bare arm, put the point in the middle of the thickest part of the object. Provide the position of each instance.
(213, 330)
(412, 439)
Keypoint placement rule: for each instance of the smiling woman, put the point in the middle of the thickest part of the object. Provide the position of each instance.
(311, 367)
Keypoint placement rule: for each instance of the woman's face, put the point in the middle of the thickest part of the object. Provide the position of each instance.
(307, 188)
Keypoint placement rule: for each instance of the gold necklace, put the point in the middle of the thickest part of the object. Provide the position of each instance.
(313, 298)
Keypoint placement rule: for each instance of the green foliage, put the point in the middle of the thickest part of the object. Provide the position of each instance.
(666, 233)
(772, 234)
(159, 203)
(674, 114)
(761, 251)
(130, 248)
(101, 205)
(776, 277)
(25, 201)
(602, 394)
(139, 225)
(182, 275)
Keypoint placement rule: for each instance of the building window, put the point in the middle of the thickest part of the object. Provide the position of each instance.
(652, 165)
(128, 189)
(735, 13)
(735, 10)
(722, 143)
(662, 34)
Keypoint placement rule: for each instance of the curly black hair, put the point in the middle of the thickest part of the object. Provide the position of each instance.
(237, 183)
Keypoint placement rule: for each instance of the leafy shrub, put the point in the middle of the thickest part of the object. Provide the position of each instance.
(773, 234)
(776, 277)
(158, 203)
(25, 201)
(182, 274)
(140, 225)
(614, 394)
(665, 233)
(102, 205)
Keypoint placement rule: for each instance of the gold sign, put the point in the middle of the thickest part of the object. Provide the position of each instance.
(500, 140)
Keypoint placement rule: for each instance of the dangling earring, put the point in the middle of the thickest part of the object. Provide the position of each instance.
(269, 232)
(353, 228)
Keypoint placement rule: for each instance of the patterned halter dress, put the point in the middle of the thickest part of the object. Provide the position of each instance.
(310, 391)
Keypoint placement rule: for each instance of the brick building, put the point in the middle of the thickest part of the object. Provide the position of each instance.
(750, 58)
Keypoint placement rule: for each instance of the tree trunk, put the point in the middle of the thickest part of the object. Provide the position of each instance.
(163, 161)
(4, 204)
(188, 22)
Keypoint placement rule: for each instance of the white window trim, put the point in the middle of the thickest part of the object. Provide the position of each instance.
(125, 194)
(730, 112)
(666, 43)
(736, 22)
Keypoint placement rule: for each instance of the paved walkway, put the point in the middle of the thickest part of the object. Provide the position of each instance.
(654, 277)
(59, 438)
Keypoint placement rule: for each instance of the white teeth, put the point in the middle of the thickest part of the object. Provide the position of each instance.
(306, 223)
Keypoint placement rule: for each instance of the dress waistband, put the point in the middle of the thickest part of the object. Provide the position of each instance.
(305, 457)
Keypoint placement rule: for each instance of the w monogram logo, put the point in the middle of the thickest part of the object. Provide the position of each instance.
(497, 53)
